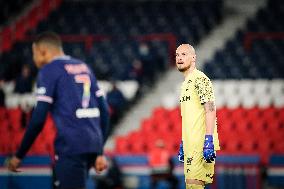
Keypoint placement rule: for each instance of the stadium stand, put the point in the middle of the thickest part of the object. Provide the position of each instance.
(26, 17)
(11, 9)
(122, 26)
(261, 59)
(240, 130)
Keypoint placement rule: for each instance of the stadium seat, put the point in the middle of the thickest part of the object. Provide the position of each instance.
(121, 145)
(276, 88)
(260, 86)
(15, 116)
(255, 130)
(263, 99)
(3, 113)
(278, 101)
(137, 147)
(239, 62)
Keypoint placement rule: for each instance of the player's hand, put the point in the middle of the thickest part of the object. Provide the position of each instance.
(13, 164)
(208, 149)
(101, 164)
(181, 153)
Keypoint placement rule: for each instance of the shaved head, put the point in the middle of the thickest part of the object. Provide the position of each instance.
(185, 58)
(187, 47)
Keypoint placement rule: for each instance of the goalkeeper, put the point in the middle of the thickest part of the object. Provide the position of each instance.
(199, 131)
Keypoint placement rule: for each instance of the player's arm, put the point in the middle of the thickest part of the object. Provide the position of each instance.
(104, 113)
(46, 85)
(101, 162)
(103, 107)
(34, 128)
(205, 91)
(210, 117)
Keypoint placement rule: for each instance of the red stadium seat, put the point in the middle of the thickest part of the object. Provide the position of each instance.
(233, 146)
(15, 116)
(5, 143)
(159, 157)
(253, 114)
(172, 145)
(147, 125)
(256, 125)
(238, 114)
(138, 147)
(269, 113)
(223, 112)
(4, 126)
(163, 127)
(34, 16)
(134, 135)
(159, 111)
(3, 114)
(121, 145)
(249, 145)
(21, 28)
(241, 125)
(279, 145)
(225, 126)
(39, 148)
(241, 131)
(6, 39)
(176, 123)
(273, 125)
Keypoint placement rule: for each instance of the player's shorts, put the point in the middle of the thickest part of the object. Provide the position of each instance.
(195, 167)
(71, 171)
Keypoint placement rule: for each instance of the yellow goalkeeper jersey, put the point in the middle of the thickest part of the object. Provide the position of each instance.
(195, 91)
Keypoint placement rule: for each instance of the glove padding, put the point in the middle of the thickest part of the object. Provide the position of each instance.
(208, 149)
(181, 153)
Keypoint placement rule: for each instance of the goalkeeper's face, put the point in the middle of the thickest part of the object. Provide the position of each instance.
(185, 57)
(38, 55)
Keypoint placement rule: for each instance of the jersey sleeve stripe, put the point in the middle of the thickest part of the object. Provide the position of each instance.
(44, 98)
(99, 93)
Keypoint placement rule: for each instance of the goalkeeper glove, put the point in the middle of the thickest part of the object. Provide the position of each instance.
(180, 153)
(208, 149)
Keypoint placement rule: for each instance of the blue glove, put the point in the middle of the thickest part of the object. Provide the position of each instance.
(208, 149)
(180, 153)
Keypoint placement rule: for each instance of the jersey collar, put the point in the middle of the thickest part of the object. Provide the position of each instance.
(190, 75)
(64, 57)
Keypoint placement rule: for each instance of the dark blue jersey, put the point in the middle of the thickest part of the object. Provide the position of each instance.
(71, 89)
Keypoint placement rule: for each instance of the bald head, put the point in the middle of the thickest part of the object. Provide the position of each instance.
(187, 47)
(185, 58)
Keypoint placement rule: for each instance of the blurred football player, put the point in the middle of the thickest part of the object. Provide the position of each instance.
(68, 89)
(199, 131)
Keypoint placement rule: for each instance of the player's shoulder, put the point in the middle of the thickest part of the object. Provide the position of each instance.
(201, 79)
(48, 67)
(55, 66)
(201, 75)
